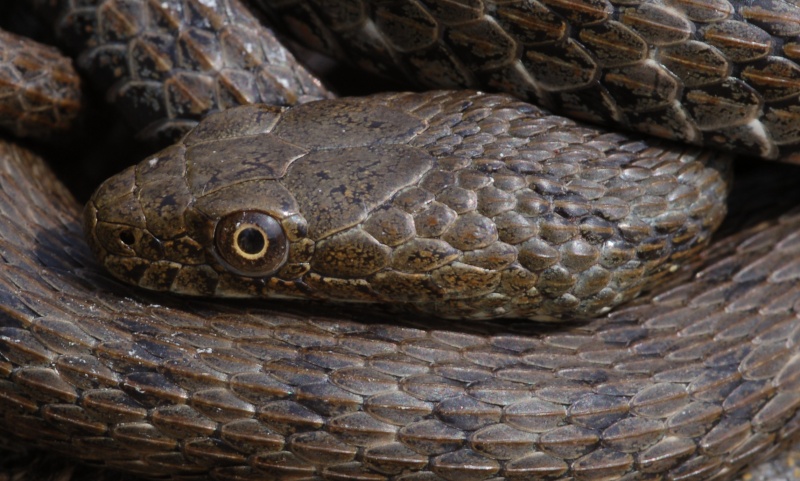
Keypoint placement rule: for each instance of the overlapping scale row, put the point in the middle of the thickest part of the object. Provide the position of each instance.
(166, 64)
(693, 384)
(719, 73)
(40, 92)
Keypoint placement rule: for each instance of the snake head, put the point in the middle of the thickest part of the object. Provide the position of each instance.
(206, 216)
(461, 204)
(150, 228)
(253, 204)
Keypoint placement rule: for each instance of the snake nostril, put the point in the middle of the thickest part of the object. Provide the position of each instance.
(127, 237)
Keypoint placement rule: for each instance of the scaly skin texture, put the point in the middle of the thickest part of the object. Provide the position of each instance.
(693, 384)
(460, 204)
(97, 371)
(165, 64)
(40, 92)
(718, 73)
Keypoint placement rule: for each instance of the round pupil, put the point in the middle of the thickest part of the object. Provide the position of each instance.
(251, 241)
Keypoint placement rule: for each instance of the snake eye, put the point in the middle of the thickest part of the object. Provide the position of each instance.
(252, 243)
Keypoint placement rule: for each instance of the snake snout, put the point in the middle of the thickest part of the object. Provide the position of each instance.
(116, 231)
(134, 225)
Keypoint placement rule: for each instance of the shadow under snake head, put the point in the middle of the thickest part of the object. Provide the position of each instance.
(460, 203)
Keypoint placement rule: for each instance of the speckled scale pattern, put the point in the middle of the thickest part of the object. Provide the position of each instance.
(40, 92)
(674, 387)
(717, 73)
(456, 203)
(165, 64)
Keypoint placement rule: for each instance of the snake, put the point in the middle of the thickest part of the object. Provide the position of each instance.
(695, 382)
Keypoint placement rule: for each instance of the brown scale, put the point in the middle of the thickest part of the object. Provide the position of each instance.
(40, 94)
(723, 73)
(166, 64)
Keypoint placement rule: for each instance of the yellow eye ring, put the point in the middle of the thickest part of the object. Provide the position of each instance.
(251, 243)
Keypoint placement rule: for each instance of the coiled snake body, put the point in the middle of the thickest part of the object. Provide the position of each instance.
(693, 384)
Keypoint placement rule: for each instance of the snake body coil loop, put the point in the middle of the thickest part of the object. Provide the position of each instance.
(693, 383)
